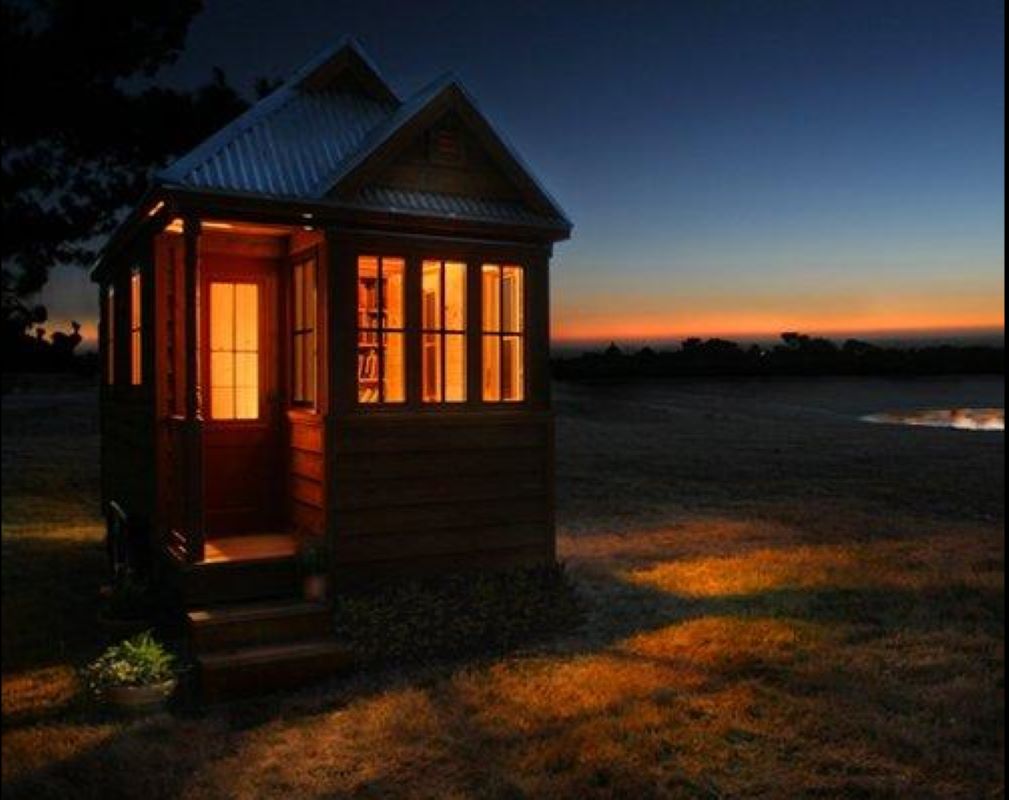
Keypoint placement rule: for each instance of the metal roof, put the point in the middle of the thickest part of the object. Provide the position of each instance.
(389, 198)
(305, 138)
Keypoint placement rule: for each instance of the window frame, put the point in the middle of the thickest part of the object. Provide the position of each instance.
(263, 412)
(310, 256)
(501, 334)
(442, 331)
(382, 329)
(136, 328)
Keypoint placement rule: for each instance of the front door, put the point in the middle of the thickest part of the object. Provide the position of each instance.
(240, 403)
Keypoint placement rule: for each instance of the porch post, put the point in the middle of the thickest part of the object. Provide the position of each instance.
(194, 401)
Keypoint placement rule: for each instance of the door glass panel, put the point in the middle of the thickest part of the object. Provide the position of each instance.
(234, 350)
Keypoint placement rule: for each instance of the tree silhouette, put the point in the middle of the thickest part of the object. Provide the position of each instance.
(84, 127)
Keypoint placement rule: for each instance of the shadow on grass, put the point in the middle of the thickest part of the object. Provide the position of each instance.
(161, 762)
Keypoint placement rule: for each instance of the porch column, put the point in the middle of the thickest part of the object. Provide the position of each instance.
(195, 522)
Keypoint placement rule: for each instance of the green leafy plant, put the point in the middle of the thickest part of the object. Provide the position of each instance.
(140, 660)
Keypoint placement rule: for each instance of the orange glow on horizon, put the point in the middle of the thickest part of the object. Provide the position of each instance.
(596, 327)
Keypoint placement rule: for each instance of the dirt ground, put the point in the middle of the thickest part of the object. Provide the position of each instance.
(780, 601)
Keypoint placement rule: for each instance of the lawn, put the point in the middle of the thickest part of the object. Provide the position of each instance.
(777, 601)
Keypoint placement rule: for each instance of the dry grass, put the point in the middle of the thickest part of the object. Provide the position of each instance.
(778, 634)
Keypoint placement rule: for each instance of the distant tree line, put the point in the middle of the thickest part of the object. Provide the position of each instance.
(797, 354)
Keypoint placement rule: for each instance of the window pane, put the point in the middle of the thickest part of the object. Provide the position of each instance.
(394, 385)
(491, 368)
(367, 367)
(222, 402)
(136, 358)
(511, 300)
(455, 368)
(511, 372)
(431, 302)
(392, 278)
(367, 292)
(234, 351)
(222, 316)
(455, 296)
(246, 316)
(246, 402)
(222, 369)
(431, 368)
(491, 298)
(247, 370)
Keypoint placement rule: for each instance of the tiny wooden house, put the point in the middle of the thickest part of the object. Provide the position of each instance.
(329, 322)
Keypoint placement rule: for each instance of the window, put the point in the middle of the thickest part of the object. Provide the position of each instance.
(443, 336)
(303, 332)
(136, 345)
(110, 336)
(503, 324)
(234, 350)
(380, 330)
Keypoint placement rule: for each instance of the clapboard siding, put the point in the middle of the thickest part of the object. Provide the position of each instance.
(452, 486)
(306, 472)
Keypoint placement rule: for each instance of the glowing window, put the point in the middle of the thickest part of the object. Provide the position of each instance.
(503, 333)
(303, 332)
(110, 336)
(380, 330)
(443, 336)
(234, 350)
(136, 343)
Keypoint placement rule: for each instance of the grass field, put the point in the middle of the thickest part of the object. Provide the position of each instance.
(778, 601)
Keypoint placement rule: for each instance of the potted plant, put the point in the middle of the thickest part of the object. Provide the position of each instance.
(138, 674)
(314, 564)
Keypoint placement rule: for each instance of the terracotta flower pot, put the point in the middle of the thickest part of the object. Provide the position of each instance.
(140, 698)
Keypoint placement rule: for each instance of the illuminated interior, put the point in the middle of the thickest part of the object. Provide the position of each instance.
(503, 324)
(303, 332)
(443, 342)
(234, 351)
(380, 325)
(136, 344)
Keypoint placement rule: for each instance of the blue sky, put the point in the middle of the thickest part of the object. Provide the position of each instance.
(730, 167)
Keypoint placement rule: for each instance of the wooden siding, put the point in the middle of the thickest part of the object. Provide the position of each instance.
(306, 472)
(446, 490)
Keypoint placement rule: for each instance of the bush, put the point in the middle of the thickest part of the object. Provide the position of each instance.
(138, 661)
(458, 615)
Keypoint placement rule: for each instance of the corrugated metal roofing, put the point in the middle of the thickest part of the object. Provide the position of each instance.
(300, 142)
(388, 198)
(291, 150)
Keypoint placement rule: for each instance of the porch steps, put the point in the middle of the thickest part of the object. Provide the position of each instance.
(238, 581)
(258, 623)
(230, 674)
(251, 648)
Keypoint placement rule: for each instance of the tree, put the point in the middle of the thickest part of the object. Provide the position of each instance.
(84, 126)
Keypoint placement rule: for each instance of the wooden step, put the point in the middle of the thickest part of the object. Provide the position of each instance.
(260, 623)
(248, 671)
(237, 581)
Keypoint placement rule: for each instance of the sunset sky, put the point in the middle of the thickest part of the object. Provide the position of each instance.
(732, 168)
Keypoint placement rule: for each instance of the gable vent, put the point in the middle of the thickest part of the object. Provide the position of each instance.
(445, 146)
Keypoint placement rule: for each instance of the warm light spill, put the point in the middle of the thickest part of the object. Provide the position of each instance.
(234, 351)
(380, 324)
